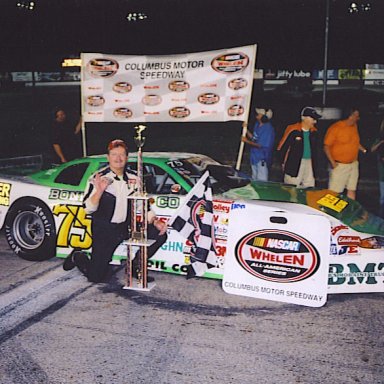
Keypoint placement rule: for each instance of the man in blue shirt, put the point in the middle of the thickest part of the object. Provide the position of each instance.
(261, 142)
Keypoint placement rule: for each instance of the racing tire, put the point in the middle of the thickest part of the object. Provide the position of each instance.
(30, 230)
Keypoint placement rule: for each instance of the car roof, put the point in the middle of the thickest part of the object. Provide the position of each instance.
(157, 155)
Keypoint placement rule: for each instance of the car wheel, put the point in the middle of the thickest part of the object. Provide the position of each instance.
(30, 230)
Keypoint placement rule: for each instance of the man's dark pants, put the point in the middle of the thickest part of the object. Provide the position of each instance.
(105, 238)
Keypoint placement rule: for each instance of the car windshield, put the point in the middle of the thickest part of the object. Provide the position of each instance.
(223, 177)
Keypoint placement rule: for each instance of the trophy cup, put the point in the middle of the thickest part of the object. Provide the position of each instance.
(138, 243)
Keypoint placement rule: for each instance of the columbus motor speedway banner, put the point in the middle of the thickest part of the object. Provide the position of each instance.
(203, 86)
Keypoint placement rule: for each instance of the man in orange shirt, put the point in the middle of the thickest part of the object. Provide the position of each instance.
(341, 146)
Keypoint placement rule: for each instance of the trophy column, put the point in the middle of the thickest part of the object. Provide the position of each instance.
(138, 242)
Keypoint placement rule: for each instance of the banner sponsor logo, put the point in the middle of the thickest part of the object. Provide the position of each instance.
(277, 256)
(122, 113)
(208, 98)
(235, 110)
(237, 84)
(178, 86)
(230, 63)
(151, 100)
(179, 112)
(122, 87)
(95, 101)
(102, 67)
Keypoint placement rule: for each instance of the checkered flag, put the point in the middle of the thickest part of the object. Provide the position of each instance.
(194, 221)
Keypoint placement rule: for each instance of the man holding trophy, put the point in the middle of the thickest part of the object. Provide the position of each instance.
(107, 199)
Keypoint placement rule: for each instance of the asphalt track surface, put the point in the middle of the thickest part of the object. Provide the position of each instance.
(57, 328)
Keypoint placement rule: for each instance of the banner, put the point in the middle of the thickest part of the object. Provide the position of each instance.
(203, 86)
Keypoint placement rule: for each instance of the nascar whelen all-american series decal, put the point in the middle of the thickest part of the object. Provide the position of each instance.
(277, 256)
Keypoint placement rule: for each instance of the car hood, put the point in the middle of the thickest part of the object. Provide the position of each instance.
(349, 212)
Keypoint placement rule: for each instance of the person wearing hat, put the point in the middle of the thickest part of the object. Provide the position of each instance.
(106, 199)
(66, 141)
(342, 146)
(261, 142)
(297, 148)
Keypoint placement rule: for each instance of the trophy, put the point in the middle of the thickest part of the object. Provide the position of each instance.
(138, 243)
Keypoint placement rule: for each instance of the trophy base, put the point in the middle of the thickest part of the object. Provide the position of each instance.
(137, 287)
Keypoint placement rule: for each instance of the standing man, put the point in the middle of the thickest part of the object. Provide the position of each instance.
(66, 138)
(261, 142)
(106, 199)
(298, 147)
(378, 149)
(341, 146)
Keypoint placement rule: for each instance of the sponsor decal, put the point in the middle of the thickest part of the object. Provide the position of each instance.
(237, 206)
(237, 97)
(151, 100)
(344, 242)
(5, 193)
(122, 113)
(218, 219)
(209, 85)
(235, 110)
(374, 242)
(122, 87)
(172, 202)
(95, 101)
(333, 202)
(208, 112)
(351, 274)
(348, 240)
(179, 112)
(59, 194)
(221, 231)
(230, 63)
(208, 98)
(338, 228)
(178, 86)
(101, 67)
(221, 206)
(277, 256)
(237, 84)
(173, 246)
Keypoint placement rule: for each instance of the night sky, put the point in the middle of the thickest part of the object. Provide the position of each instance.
(289, 33)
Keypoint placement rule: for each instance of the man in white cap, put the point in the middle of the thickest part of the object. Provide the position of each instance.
(261, 142)
(298, 147)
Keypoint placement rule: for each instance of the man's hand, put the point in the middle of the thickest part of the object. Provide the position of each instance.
(160, 226)
(100, 183)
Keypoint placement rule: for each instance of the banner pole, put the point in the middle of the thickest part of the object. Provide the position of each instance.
(241, 148)
(245, 122)
(83, 136)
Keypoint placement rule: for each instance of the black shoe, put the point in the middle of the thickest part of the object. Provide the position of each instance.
(81, 261)
(69, 263)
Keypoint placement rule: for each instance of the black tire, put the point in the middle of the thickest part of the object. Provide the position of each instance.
(30, 230)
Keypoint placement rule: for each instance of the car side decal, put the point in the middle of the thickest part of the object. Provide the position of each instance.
(75, 228)
(5, 193)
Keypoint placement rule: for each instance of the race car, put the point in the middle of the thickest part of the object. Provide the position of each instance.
(43, 216)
